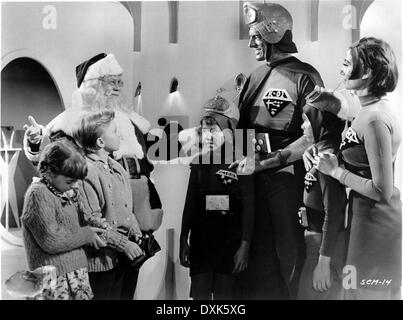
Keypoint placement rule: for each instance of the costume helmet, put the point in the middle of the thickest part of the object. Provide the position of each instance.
(272, 21)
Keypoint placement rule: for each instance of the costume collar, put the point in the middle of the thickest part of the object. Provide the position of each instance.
(69, 196)
(368, 99)
(94, 157)
(279, 61)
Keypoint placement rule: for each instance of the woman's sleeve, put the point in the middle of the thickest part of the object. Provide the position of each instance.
(40, 219)
(378, 145)
(191, 203)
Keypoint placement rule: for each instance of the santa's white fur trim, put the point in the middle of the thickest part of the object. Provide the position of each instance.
(106, 66)
(142, 123)
(67, 121)
(129, 144)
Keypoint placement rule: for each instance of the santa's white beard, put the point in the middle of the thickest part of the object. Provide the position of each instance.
(102, 100)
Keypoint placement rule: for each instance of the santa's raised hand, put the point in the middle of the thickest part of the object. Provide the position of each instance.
(33, 131)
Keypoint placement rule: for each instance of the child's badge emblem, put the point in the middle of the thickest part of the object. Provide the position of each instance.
(276, 100)
(350, 140)
(226, 177)
(309, 180)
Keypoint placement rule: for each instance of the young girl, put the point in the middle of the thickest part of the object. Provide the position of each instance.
(323, 217)
(51, 230)
(367, 157)
(217, 215)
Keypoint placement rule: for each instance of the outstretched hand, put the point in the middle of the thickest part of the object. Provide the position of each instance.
(245, 166)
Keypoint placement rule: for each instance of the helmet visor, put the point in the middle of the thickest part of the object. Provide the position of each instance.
(249, 15)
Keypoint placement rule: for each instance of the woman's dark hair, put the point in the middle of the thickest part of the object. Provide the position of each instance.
(62, 157)
(91, 128)
(377, 55)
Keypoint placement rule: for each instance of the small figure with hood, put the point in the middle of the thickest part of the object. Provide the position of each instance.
(217, 218)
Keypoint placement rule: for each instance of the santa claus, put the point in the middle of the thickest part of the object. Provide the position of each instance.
(99, 82)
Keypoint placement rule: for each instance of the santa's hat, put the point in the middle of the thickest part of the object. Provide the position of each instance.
(106, 66)
(98, 66)
(82, 68)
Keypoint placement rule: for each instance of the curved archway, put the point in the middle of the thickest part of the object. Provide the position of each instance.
(27, 88)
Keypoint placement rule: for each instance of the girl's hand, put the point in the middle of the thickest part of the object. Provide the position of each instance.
(241, 258)
(98, 230)
(97, 242)
(309, 157)
(326, 163)
(322, 275)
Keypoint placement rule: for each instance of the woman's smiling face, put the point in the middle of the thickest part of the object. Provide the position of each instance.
(346, 72)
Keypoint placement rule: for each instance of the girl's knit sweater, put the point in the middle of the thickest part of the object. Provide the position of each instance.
(51, 231)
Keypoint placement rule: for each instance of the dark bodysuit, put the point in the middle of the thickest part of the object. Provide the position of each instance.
(272, 101)
(216, 235)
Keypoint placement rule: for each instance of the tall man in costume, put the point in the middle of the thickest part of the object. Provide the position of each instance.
(272, 103)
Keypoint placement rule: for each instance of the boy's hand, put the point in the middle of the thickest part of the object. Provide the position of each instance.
(184, 251)
(132, 250)
(241, 258)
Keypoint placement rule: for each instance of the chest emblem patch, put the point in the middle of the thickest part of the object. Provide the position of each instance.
(226, 177)
(350, 139)
(309, 180)
(276, 100)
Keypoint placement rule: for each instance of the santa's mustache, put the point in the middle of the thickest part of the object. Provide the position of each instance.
(101, 101)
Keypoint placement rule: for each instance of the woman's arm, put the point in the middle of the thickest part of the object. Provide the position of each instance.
(334, 202)
(378, 145)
